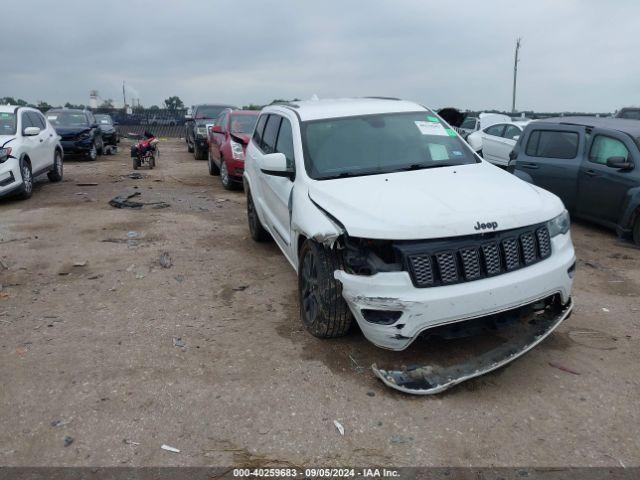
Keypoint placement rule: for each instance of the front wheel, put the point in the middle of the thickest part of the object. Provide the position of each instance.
(258, 232)
(55, 174)
(198, 153)
(322, 309)
(226, 180)
(93, 152)
(100, 147)
(135, 163)
(213, 168)
(27, 180)
(636, 231)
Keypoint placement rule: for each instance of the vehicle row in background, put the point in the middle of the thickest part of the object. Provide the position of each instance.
(228, 140)
(29, 146)
(196, 127)
(495, 142)
(79, 132)
(591, 163)
(110, 135)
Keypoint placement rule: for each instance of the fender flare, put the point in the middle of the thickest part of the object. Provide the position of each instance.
(630, 210)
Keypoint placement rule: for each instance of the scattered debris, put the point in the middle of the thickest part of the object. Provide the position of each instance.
(59, 423)
(606, 310)
(133, 234)
(401, 440)
(371, 394)
(339, 427)
(563, 368)
(4, 295)
(240, 288)
(82, 263)
(170, 449)
(165, 260)
(3, 266)
(126, 441)
(179, 278)
(136, 175)
(68, 440)
(87, 184)
(123, 201)
(178, 342)
(21, 351)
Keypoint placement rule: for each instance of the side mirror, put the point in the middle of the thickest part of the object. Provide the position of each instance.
(31, 131)
(275, 164)
(217, 129)
(620, 163)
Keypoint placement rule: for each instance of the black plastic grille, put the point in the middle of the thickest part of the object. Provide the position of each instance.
(471, 258)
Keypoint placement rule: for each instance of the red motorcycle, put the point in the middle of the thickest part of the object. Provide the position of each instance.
(146, 151)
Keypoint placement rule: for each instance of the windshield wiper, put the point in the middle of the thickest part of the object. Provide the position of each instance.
(341, 175)
(422, 166)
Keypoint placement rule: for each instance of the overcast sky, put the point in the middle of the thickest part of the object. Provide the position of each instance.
(576, 55)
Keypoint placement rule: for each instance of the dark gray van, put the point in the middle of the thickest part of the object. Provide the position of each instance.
(591, 163)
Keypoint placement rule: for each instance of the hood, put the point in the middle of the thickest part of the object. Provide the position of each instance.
(107, 128)
(434, 203)
(70, 132)
(5, 138)
(245, 137)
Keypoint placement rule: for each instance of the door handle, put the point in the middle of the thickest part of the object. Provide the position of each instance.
(592, 173)
(531, 166)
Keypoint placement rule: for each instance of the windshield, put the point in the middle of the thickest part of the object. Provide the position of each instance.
(243, 123)
(208, 112)
(374, 144)
(7, 123)
(67, 119)
(104, 119)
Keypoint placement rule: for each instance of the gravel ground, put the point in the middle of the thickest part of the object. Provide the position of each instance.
(102, 344)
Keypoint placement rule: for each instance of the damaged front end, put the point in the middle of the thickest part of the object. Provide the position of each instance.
(519, 330)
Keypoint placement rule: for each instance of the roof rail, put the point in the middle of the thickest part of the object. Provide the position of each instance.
(383, 98)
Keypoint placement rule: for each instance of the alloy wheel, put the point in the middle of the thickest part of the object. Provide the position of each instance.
(224, 173)
(27, 179)
(309, 288)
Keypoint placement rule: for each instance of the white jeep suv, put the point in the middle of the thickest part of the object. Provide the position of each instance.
(29, 146)
(389, 218)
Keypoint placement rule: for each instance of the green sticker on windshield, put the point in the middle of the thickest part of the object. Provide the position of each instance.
(4, 115)
(432, 119)
(450, 132)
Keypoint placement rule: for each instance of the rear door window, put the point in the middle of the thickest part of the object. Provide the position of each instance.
(604, 147)
(495, 130)
(268, 144)
(552, 144)
(257, 133)
(511, 132)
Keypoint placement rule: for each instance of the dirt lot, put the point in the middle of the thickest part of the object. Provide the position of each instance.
(88, 319)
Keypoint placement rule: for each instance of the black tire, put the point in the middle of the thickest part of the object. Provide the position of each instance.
(92, 154)
(189, 146)
(56, 172)
(100, 146)
(26, 190)
(135, 163)
(225, 179)
(213, 168)
(636, 231)
(258, 232)
(323, 311)
(198, 153)
(152, 162)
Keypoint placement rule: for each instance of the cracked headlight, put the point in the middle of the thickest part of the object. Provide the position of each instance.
(237, 151)
(559, 225)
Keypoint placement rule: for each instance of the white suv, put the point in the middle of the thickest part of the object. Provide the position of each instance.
(29, 146)
(390, 218)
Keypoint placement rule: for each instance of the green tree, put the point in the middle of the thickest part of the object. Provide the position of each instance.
(252, 106)
(154, 107)
(108, 103)
(12, 101)
(71, 105)
(173, 103)
(43, 106)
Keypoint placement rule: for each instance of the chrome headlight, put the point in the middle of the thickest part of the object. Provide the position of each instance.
(237, 151)
(201, 131)
(559, 225)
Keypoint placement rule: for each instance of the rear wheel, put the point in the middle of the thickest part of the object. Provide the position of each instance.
(322, 309)
(189, 146)
(258, 232)
(55, 174)
(135, 163)
(27, 180)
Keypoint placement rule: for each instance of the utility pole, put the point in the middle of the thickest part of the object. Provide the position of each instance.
(124, 96)
(515, 75)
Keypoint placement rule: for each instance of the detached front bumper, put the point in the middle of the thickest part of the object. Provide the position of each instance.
(420, 309)
(530, 326)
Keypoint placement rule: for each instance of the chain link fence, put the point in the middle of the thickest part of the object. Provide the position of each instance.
(160, 122)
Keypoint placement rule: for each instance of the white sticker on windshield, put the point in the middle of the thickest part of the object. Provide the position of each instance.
(431, 128)
(52, 117)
